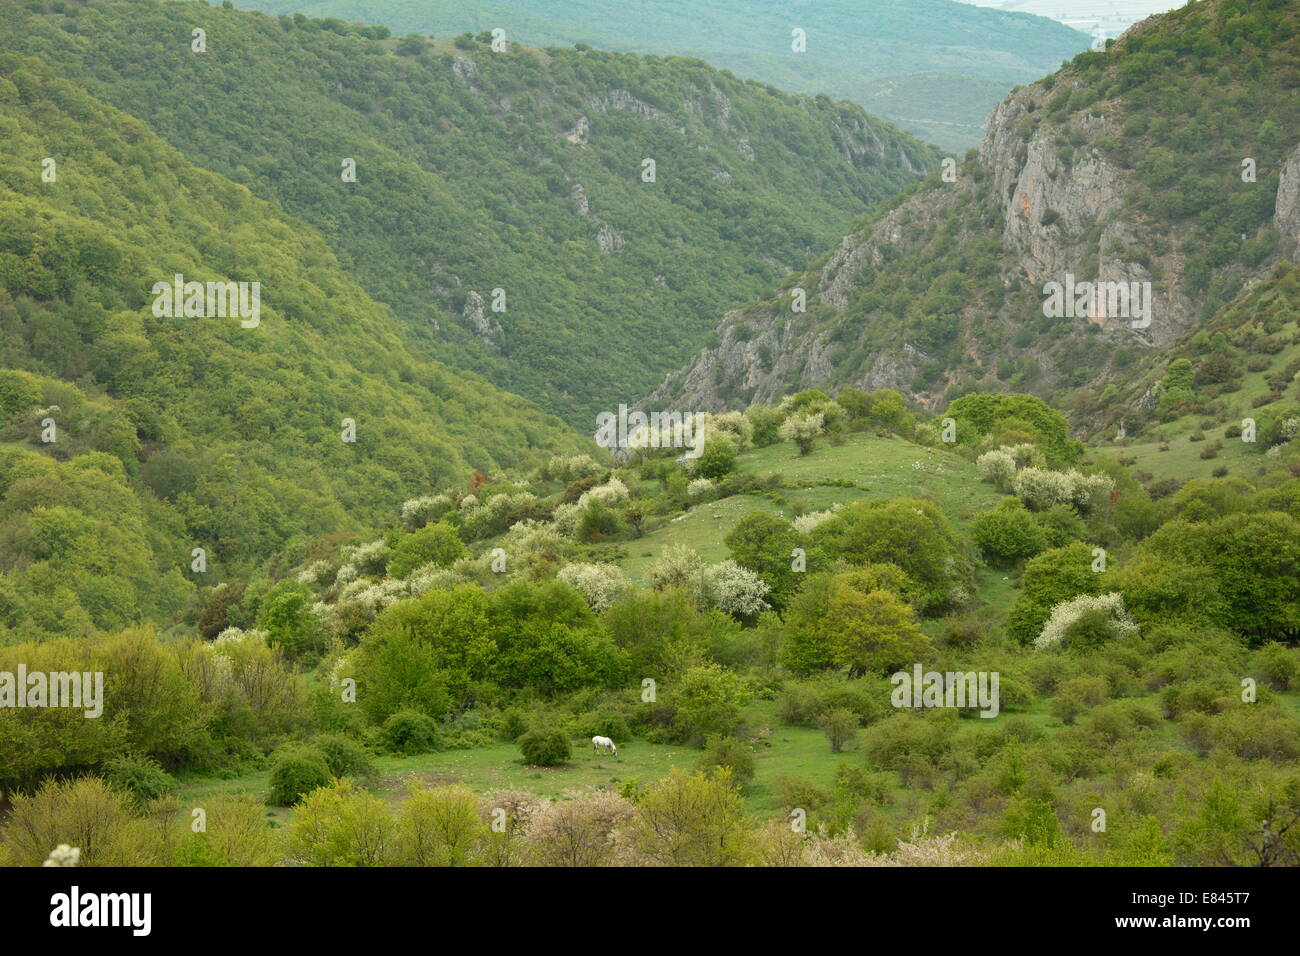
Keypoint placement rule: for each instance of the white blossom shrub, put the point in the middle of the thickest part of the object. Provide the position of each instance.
(417, 512)
(533, 549)
(565, 519)
(802, 429)
(499, 505)
(736, 425)
(600, 584)
(612, 492)
(315, 573)
(1025, 455)
(63, 855)
(231, 636)
(432, 578)
(678, 567)
(1068, 613)
(806, 522)
(571, 468)
(1088, 492)
(1041, 489)
(997, 466)
(700, 488)
(363, 560)
(733, 589)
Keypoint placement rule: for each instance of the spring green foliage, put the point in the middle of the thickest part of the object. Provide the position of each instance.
(994, 415)
(297, 771)
(1145, 648)
(466, 181)
(545, 747)
(185, 432)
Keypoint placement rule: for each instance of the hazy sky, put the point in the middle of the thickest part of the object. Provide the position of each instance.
(1113, 15)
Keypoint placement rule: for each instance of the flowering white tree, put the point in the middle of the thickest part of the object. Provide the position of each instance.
(600, 584)
(363, 560)
(700, 488)
(734, 590)
(802, 430)
(571, 468)
(997, 466)
(733, 424)
(1041, 489)
(611, 492)
(1066, 614)
(805, 523)
(678, 567)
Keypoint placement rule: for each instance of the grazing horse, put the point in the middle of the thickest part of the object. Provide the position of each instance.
(599, 744)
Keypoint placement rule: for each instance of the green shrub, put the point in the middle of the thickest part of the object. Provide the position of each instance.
(437, 544)
(603, 723)
(1278, 666)
(514, 724)
(296, 771)
(410, 732)
(799, 793)
(545, 747)
(344, 756)
(840, 727)
(1008, 533)
(717, 459)
(720, 751)
(138, 775)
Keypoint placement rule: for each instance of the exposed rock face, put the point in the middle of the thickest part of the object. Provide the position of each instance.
(578, 135)
(484, 325)
(464, 67)
(609, 239)
(1058, 206)
(1286, 217)
(623, 100)
(580, 201)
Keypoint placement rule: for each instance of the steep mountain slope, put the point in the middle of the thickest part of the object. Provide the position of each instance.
(1132, 165)
(520, 171)
(935, 68)
(129, 438)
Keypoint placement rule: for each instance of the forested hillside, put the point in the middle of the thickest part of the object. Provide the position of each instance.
(933, 67)
(520, 171)
(130, 439)
(936, 578)
(1170, 159)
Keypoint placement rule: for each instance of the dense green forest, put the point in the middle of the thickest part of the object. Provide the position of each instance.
(176, 433)
(933, 67)
(519, 171)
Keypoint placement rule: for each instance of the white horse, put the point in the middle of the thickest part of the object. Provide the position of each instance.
(599, 744)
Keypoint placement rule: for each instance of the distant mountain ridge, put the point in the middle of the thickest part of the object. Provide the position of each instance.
(932, 67)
